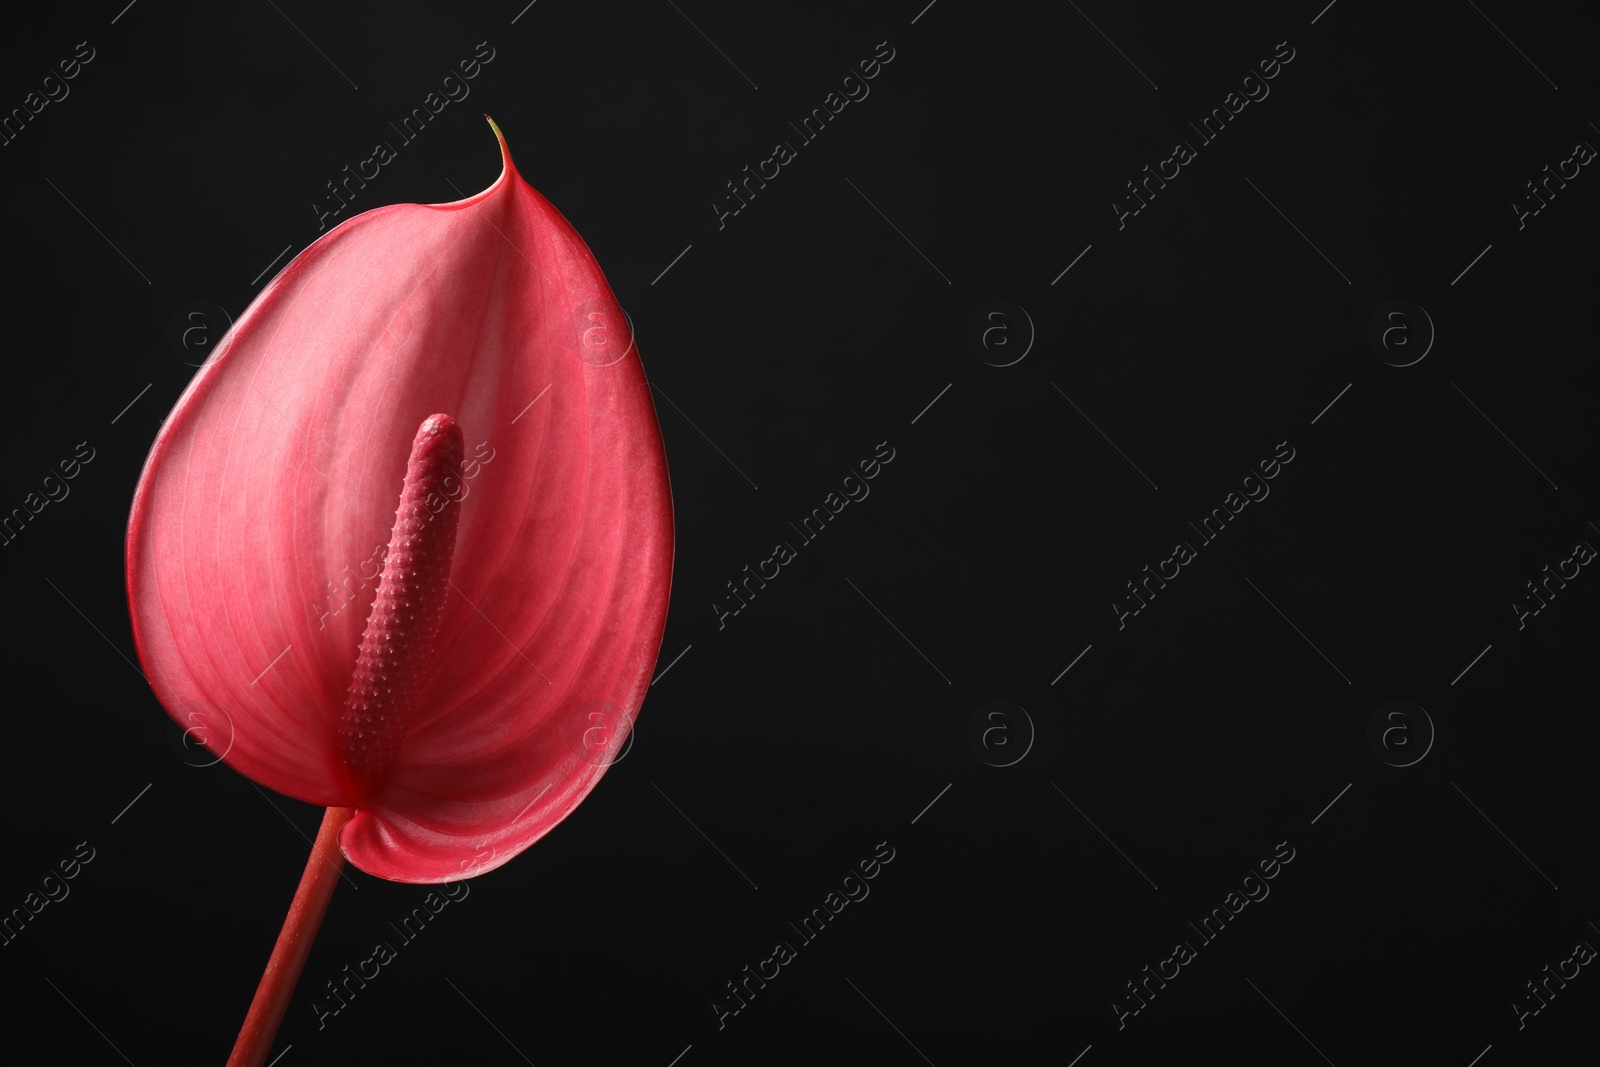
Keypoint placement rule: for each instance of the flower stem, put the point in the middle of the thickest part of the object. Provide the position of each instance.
(288, 958)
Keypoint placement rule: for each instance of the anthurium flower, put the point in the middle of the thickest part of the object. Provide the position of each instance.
(404, 545)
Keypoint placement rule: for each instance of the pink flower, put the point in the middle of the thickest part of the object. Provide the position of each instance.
(503, 671)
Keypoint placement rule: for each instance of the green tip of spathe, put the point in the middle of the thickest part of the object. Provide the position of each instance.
(505, 149)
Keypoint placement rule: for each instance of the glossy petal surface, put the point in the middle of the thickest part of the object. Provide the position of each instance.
(258, 526)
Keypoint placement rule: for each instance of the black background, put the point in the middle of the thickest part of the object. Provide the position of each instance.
(824, 718)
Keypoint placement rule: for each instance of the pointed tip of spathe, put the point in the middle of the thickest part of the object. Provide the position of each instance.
(508, 170)
(505, 151)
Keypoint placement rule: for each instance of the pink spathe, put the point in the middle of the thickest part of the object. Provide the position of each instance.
(283, 463)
